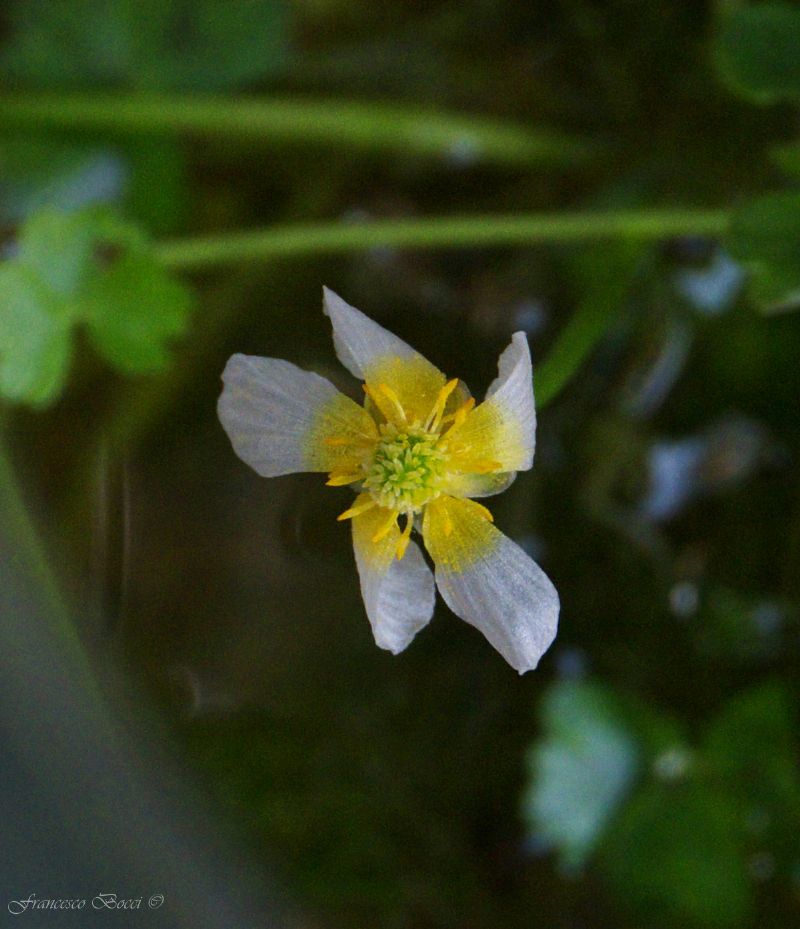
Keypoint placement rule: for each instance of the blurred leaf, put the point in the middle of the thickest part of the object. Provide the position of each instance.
(675, 855)
(34, 338)
(185, 44)
(751, 746)
(89, 267)
(580, 771)
(134, 310)
(757, 51)
(765, 237)
(57, 247)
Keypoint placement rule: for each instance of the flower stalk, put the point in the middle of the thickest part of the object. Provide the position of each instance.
(479, 231)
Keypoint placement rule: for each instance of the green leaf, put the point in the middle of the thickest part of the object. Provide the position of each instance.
(580, 771)
(185, 44)
(757, 51)
(58, 247)
(764, 236)
(35, 341)
(134, 310)
(675, 856)
(751, 746)
(93, 268)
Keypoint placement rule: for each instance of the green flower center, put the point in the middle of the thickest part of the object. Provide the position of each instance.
(405, 469)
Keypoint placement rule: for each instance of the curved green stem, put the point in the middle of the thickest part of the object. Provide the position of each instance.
(368, 126)
(438, 232)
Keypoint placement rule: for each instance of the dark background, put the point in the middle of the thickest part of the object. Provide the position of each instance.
(199, 710)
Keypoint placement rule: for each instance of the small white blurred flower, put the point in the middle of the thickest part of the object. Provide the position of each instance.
(416, 453)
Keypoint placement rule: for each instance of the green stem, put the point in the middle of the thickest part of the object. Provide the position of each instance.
(439, 232)
(17, 530)
(369, 126)
(608, 275)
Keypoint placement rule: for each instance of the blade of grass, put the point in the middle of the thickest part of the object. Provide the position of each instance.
(347, 124)
(438, 232)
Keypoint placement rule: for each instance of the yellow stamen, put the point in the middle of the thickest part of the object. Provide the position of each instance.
(371, 394)
(402, 542)
(355, 510)
(460, 414)
(386, 528)
(340, 478)
(387, 391)
(435, 416)
(381, 401)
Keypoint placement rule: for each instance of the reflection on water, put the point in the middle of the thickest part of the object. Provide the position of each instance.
(724, 455)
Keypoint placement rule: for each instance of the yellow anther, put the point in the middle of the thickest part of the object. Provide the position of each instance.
(486, 514)
(355, 510)
(402, 542)
(386, 528)
(340, 478)
(435, 416)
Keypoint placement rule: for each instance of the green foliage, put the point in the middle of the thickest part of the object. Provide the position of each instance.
(34, 338)
(596, 743)
(146, 44)
(757, 51)
(150, 310)
(581, 770)
(667, 822)
(86, 268)
(751, 749)
(679, 850)
(398, 808)
(765, 237)
(676, 856)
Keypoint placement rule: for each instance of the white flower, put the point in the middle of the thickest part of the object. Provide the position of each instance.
(416, 453)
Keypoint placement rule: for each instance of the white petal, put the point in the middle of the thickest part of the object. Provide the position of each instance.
(490, 582)
(510, 599)
(359, 341)
(399, 596)
(461, 484)
(277, 415)
(499, 435)
(400, 601)
(513, 388)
